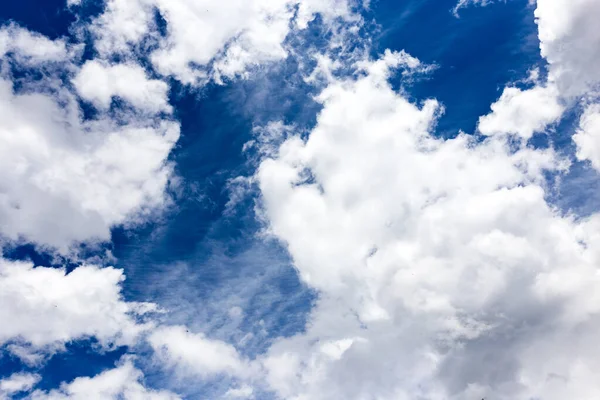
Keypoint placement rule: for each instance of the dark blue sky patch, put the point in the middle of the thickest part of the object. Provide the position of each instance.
(81, 358)
(51, 18)
(10, 364)
(476, 54)
(28, 252)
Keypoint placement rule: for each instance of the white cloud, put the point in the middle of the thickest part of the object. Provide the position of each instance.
(66, 180)
(570, 42)
(99, 82)
(587, 137)
(442, 271)
(467, 3)
(17, 382)
(194, 354)
(380, 69)
(207, 39)
(122, 24)
(328, 9)
(124, 382)
(252, 30)
(43, 308)
(522, 112)
(31, 47)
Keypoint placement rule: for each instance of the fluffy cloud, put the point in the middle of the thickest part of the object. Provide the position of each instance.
(44, 308)
(587, 138)
(208, 39)
(17, 382)
(99, 82)
(522, 112)
(570, 42)
(196, 355)
(124, 382)
(67, 180)
(30, 47)
(442, 271)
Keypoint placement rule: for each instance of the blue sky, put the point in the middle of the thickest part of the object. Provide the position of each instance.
(299, 199)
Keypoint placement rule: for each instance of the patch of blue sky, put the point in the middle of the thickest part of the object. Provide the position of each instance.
(80, 358)
(50, 18)
(476, 55)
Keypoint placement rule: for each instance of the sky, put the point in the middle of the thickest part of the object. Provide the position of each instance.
(299, 199)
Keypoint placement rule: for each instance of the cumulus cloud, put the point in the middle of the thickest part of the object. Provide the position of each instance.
(193, 354)
(99, 82)
(442, 270)
(522, 112)
(17, 382)
(587, 137)
(570, 42)
(44, 308)
(124, 382)
(208, 39)
(68, 180)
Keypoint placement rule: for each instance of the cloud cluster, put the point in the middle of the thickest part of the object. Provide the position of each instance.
(67, 178)
(443, 272)
(45, 308)
(422, 250)
(70, 179)
(203, 40)
(441, 269)
(84, 147)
